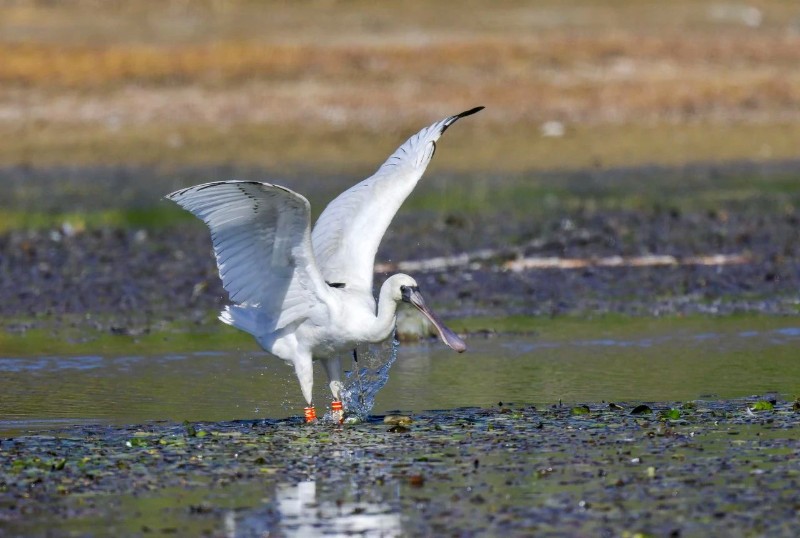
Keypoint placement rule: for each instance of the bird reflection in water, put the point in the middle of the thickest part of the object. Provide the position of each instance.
(301, 513)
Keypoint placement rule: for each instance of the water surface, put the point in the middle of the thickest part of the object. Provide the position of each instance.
(663, 363)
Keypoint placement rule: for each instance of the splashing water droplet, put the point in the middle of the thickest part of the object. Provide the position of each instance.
(368, 376)
(288, 405)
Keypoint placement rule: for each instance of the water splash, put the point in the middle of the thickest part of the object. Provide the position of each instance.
(367, 377)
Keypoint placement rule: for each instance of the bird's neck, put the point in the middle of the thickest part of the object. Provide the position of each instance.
(385, 320)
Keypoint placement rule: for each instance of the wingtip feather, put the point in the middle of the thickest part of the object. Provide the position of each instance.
(452, 119)
(469, 112)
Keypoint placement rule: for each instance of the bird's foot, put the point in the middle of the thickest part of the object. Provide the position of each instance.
(337, 411)
(311, 414)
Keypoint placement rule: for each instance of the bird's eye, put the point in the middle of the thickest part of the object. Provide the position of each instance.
(405, 293)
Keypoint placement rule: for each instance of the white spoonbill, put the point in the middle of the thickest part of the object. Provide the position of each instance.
(308, 295)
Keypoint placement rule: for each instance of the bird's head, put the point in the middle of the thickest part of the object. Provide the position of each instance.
(404, 288)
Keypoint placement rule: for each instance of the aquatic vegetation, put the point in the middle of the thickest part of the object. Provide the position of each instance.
(763, 405)
(500, 469)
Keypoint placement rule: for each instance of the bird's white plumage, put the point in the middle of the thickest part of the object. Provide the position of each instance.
(261, 241)
(307, 295)
(348, 232)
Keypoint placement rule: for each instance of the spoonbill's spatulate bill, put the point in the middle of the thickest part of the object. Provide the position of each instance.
(306, 294)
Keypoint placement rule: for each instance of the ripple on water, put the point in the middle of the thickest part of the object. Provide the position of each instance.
(792, 332)
(669, 361)
(33, 364)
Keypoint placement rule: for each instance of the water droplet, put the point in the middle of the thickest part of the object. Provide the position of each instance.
(367, 377)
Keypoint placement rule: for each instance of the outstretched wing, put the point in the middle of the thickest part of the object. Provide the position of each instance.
(347, 234)
(262, 244)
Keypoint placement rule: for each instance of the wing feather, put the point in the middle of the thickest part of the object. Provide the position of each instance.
(348, 232)
(262, 245)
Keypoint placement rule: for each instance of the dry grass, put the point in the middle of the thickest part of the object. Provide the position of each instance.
(608, 57)
(240, 69)
(602, 79)
(477, 146)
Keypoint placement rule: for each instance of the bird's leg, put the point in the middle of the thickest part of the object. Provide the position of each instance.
(333, 367)
(304, 369)
(358, 375)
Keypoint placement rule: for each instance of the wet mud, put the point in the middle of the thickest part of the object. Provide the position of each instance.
(134, 278)
(662, 469)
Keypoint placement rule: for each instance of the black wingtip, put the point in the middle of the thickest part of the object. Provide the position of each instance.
(452, 119)
(469, 112)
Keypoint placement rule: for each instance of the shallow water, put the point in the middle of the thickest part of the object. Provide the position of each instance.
(667, 362)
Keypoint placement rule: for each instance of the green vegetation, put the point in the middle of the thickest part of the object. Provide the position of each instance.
(467, 195)
(762, 405)
(620, 326)
(170, 338)
(155, 217)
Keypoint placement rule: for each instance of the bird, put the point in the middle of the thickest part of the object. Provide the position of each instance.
(307, 294)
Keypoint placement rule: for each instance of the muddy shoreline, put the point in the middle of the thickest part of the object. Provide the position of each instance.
(664, 469)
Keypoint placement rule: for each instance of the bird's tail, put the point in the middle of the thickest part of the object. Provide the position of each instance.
(245, 319)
